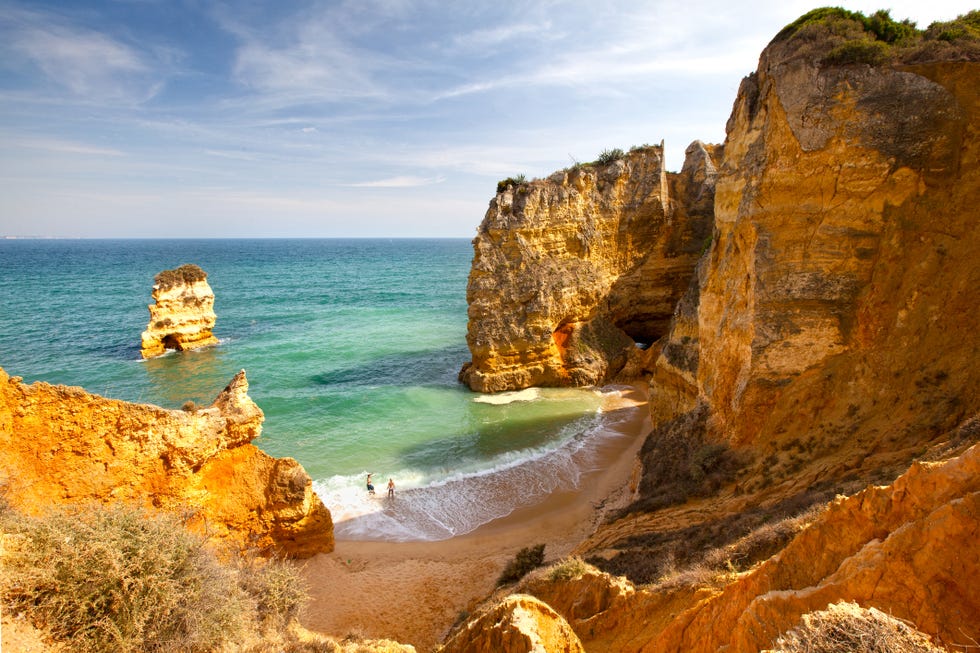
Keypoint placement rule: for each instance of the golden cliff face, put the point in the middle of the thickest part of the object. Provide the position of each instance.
(182, 316)
(62, 445)
(838, 291)
(569, 271)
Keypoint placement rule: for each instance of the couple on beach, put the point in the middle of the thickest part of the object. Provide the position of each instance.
(391, 486)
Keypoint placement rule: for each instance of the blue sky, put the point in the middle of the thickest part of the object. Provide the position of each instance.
(187, 118)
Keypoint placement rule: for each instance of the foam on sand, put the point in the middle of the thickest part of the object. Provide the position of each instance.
(430, 506)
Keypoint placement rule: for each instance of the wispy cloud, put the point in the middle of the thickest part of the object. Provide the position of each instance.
(483, 40)
(406, 181)
(62, 147)
(231, 154)
(85, 62)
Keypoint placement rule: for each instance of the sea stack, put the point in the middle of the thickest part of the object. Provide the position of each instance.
(183, 315)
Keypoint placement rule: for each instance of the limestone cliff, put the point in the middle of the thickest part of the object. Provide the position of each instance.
(837, 299)
(62, 445)
(182, 315)
(571, 271)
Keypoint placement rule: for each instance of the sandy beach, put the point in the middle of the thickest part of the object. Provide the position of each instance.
(413, 592)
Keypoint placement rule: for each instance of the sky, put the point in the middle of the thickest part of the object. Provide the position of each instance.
(360, 118)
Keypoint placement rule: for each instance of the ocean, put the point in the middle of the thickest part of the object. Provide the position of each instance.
(351, 348)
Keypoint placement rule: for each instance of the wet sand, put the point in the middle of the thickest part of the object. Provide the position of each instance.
(413, 592)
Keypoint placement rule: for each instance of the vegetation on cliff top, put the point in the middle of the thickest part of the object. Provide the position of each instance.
(836, 36)
(185, 274)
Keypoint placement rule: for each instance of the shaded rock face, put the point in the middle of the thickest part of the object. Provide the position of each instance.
(62, 445)
(838, 294)
(906, 549)
(517, 624)
(182, 316)
(570, 272)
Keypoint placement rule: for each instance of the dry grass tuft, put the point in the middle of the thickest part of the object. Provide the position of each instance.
(118, 579)
(569, 569)
(849, 628)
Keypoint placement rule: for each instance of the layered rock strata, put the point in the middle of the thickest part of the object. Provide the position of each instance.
(839, 293)
(182, 315)
(61, 445)
(905, 549)
(570, 272)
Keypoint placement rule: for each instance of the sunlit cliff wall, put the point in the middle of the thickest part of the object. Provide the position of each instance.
(571, 271)
(61, 445)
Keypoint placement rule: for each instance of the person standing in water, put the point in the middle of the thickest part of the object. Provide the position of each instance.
(391, 488)
(370, 485)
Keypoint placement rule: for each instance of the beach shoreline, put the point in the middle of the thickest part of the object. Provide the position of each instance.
(413, 592)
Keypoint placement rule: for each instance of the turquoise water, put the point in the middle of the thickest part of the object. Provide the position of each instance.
(351, 347)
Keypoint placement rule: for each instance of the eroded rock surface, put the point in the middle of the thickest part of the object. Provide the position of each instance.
(182, 315)
(571, 271)
(517, 624)
(839, 291)
(905, 549)
(62, 445)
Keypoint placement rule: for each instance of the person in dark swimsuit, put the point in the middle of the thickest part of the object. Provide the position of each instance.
(391, 488)
(370, 485)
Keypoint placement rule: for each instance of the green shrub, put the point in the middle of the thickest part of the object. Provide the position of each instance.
(880, 25)
(517, 181)
(608, 156)
(965, 28)
(889, 30)
(526, 560)
(868, 52)
(568, 569)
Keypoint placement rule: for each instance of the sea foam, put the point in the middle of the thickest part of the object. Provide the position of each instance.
(429, 506)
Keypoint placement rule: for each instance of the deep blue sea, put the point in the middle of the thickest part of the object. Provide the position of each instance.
(351, 347)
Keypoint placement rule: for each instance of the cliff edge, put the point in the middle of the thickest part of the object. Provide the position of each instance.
(62, 445)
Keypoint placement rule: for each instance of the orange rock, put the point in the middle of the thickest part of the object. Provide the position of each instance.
(62, 445)
(907, 549)
(839, 289)
(569, 271)
(517, 624)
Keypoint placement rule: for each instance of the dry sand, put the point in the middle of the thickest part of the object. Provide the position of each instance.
(413, 592)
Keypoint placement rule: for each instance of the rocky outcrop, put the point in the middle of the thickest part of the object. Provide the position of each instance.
(905, 549)
(836, 301)
(62, 445)
(517, 624)
(570, 272)
(182, 316)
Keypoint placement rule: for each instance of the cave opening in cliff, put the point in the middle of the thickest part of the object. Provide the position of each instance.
(170, 341)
